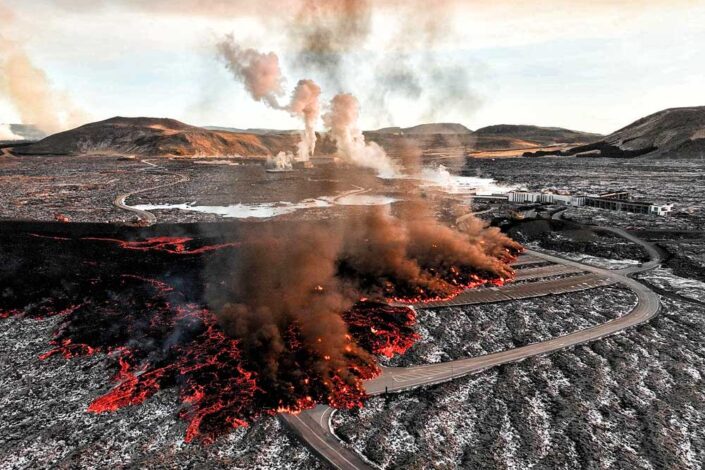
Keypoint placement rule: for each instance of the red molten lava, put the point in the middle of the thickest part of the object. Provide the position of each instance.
(158, 337)
(382, 329)
(172, 245)
(159, 341)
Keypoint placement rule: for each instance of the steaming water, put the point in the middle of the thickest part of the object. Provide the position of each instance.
(242, 211)
(266, 210)
(438, 177)
(442, 179)
(364, 200)
(217, 162)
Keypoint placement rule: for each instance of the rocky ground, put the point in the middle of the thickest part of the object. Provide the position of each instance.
(44, 421)
(83, 188)
(632, 401)
(598, 261)
(561, 237)
(685, 257)
(456, 332)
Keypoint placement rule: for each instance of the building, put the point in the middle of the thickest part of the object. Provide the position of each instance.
(625, 205)
(523, 197)
(491, 198)
(620, 195)
(615, 201)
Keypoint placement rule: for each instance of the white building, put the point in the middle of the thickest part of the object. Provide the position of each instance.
(546, 198)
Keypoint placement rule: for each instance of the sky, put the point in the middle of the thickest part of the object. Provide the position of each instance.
(592, 66)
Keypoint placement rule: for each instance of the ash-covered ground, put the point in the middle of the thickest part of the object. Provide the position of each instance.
(562, 237)
(84, 188)
(631, 401)
(456, 332)
(44, 423)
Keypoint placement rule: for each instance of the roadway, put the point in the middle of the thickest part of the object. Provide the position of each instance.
(313, 426)
(147, 218)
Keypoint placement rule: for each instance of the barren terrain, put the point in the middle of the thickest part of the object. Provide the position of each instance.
(631, 401)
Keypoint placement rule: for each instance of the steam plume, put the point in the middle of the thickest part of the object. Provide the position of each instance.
(7, 134)
(341, 121)
(305, 103)
(29, 89)
(263, 79)
(259, 72)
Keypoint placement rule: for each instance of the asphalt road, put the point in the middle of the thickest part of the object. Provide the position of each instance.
(145, 217)
(313, 426)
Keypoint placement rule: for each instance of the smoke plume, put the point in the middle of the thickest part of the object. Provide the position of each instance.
(288, 281)
(289, 287)
(263, 79)
(341, 121)
(324, 31)
(297, 280)
(259, 72)
(7, 134)
(305, 104)
(28, 88)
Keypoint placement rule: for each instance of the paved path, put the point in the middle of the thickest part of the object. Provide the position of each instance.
(145, 217)
(526, 290)
(314, 428)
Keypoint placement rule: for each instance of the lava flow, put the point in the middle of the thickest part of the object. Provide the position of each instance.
(173, 245)
(272, 325)
(157, 341)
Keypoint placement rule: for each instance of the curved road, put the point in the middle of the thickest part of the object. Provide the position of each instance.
(313, 426)
(146, 218)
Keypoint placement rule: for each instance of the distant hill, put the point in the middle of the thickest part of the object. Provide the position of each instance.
(156, 136)
(671, 133)
(426, 129)
(145, 136)
(256, 131)
(538, 135)
(502, 140)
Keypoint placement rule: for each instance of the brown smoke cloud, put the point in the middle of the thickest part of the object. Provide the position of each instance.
(288, 279)
(28, 88)
(306, 275)
(322, 32)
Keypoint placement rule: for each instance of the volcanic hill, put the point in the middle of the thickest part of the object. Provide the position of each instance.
(535, 135)
(156, 137)
(671, 133)
(426, 129)
(143, 136)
